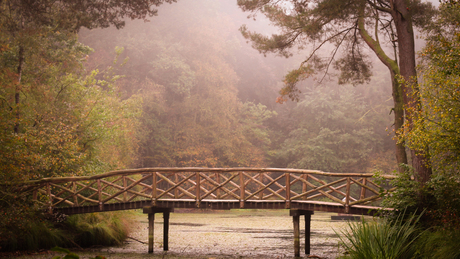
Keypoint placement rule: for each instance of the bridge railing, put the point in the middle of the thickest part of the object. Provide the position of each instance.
(198, 185)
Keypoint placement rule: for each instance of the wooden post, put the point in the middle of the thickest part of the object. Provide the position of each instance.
(296, 235)
(154, 188)
(261, 179)
(75, 198)
(197, 189)
(363, 190)
(151, 231)
(165, 231)
(242, 190)
(176, 190)
(99, 192)
(347, 197)
(288, 191)
(307, 233)
(304, 186)
(50, 199)
(218, 182)
(125, 184)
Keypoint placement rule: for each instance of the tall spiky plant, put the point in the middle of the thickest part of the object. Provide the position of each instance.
(382, 239)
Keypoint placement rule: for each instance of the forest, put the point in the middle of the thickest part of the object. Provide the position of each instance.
(89, 87)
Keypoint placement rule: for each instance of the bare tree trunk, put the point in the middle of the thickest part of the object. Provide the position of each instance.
(392, 65)
(398, 111)
(403, 22)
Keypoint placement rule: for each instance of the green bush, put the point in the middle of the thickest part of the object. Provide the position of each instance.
(439, 198)
(382, 239)
(70, 255)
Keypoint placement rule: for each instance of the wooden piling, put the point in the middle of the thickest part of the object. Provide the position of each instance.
(307, 233)
(151, 231)
(296, 236)
(151, 210)
(296, 213)
(165, 231)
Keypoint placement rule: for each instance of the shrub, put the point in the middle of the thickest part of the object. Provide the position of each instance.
(439, 197)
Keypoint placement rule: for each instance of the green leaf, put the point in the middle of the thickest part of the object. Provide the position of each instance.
(60, 249)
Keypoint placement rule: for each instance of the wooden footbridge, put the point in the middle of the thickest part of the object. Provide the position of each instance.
(161, 190)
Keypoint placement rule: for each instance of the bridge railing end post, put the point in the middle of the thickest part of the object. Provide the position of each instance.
(347, 197)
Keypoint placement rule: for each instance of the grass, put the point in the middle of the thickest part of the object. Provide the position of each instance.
(98, 229)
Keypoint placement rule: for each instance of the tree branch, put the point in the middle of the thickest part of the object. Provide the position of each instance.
(324, 42)
(380, 8)
(333, 55)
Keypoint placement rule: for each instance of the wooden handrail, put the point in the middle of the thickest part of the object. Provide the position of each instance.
(192, 169)
(198, 185)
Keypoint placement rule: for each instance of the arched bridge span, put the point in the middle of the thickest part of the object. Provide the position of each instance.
(211, 188)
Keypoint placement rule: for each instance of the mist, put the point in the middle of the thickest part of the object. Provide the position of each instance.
(209, 99)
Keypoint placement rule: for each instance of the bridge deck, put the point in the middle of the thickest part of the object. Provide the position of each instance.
(222, 205)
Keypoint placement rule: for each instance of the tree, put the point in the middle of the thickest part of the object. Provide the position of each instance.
(341, 24)
(436, 124)
(23, 21)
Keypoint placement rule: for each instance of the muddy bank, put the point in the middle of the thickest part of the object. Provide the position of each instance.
(226, 234)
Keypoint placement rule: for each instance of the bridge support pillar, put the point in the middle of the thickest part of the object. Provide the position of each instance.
(296, 213)
(151, 210)
(151, 231)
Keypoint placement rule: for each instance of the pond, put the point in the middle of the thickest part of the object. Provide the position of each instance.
(226, 234)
